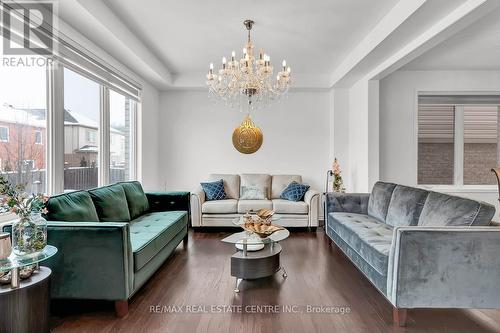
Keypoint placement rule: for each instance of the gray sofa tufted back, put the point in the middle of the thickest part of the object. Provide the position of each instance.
(399, 205)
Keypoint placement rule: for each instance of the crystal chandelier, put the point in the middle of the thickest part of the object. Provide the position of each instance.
(248, 82)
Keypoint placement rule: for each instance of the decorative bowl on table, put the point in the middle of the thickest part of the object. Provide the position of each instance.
(261, 228)
(265, 215)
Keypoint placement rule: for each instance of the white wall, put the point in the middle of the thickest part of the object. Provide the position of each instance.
(398, 127)
(355, 132)
(340, 131)
(196, 138)
(149, 143)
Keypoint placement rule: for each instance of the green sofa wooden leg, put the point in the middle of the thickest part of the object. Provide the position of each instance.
(399, 316)
(185, 239)
(121, 308)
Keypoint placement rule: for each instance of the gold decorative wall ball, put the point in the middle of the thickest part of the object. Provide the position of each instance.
(247, 138)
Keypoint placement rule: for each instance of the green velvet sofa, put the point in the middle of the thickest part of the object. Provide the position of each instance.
(112, 239)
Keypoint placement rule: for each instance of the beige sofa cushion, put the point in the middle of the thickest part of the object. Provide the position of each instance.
(261, 180)
(227, 206)
(231, 184)
(280, 182)
(246, 205)
(282, 206)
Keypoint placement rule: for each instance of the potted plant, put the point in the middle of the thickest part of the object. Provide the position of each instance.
(338, 183)
(29, 232)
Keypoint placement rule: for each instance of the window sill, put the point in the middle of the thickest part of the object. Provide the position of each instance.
(461, 189)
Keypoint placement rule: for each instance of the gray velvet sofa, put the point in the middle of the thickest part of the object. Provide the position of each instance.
(420, 249)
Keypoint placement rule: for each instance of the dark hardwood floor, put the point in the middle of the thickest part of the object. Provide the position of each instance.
(318, 275)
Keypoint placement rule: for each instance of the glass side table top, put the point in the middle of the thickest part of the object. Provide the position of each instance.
(13, 261)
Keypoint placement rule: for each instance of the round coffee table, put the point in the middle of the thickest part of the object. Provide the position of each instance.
(252, 262)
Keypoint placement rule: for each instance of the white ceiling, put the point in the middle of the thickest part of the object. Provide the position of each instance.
(477, 47)
(314, 36)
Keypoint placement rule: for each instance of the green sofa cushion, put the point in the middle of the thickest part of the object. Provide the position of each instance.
(136, 199)
(110, 203)
(150, 233)
(72, 207)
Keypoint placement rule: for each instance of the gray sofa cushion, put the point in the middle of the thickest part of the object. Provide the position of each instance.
(442, 209)
(227, 206)
(380, 199)
(405, 206)
(377, 279)
(347, 202)
(282, 206)
(370, 238)
(254, 205)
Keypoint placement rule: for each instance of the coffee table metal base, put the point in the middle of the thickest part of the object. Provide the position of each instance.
(246, 265)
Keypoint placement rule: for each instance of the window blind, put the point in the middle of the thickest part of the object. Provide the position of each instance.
(71, 54)
(458, 99)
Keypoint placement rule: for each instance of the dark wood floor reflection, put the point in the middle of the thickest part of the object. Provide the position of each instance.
(196, 278)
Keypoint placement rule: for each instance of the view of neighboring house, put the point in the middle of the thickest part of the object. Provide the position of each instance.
(23, 140)
(81, 137)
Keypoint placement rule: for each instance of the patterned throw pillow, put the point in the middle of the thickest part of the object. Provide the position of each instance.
(253, 193)
(294, 191)
(214, 190)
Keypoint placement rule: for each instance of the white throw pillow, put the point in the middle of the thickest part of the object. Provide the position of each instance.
(252, 192)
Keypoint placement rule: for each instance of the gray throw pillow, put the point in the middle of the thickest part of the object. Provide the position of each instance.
(252, 192)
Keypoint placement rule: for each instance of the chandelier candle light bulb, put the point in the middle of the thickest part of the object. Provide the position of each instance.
(248, 83)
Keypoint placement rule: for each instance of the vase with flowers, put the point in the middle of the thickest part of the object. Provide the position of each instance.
(29, 232)
(338, 183)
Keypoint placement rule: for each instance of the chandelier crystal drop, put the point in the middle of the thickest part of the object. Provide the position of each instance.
(248, 83)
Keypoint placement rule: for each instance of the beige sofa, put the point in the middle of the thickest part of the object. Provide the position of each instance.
(221, 213)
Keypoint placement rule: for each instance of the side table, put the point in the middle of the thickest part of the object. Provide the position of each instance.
(26, 308)
(25, 304)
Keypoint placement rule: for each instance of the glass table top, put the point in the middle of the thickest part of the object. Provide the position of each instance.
(14, 261)
(250, 238)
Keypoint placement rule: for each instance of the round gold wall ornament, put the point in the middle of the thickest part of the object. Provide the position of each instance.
(247, 138)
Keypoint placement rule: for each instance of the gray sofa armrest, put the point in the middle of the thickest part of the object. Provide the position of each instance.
(197, 200)
(444, 267)
(347, 202)
(311, 198)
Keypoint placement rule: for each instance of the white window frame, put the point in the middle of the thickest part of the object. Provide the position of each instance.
(8, 134)
(458, 187)
(55, 131)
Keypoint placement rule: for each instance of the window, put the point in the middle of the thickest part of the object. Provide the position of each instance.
(120, 111)
(81, 126)
(91, 136)
(38, 137)
(457, 143)
(35, 98)
(4, 134)
(23, 104)
(480, 142)
(28, 165)
(436, 126)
